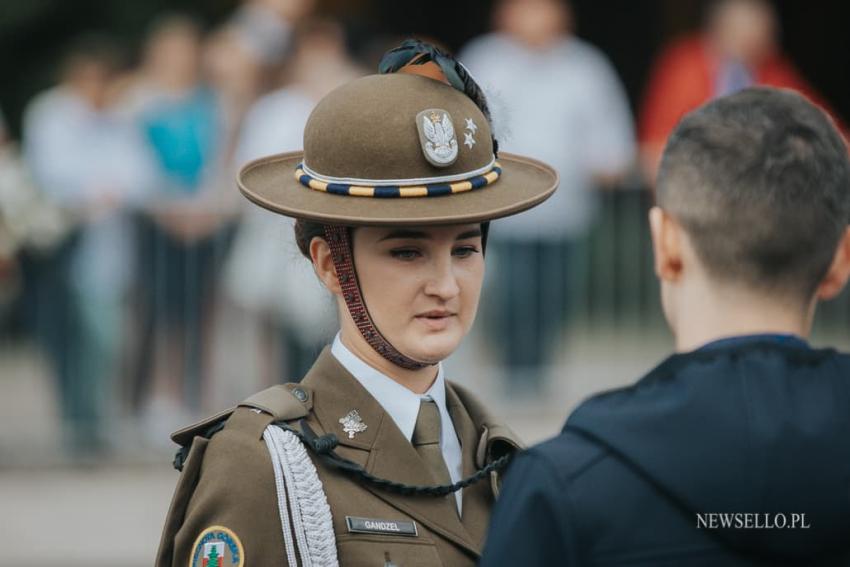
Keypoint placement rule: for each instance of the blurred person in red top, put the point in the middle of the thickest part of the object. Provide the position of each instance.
(738, 47)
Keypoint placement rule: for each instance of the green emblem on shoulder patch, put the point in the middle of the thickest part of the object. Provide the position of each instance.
(217, 546)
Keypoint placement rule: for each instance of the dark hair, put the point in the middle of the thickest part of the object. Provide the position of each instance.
(711, 8)
(173, 22)
(305, 232)
(93, 48)
(760, 180)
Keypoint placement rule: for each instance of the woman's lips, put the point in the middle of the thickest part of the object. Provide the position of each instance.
(435, 320)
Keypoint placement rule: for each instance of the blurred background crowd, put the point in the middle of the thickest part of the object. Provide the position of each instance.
(142, 291)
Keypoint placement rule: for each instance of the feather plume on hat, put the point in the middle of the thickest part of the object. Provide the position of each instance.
(414, 52)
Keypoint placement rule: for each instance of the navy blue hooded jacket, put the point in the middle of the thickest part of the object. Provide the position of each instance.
(750, 433)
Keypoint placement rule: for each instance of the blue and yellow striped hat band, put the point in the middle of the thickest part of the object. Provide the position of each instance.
(383, 189)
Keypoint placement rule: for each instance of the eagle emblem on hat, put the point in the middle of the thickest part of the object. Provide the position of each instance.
(437, 137)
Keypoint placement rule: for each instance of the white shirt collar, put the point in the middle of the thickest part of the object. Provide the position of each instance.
(399, 402)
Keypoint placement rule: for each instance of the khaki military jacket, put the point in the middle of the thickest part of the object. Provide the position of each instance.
(228, 480)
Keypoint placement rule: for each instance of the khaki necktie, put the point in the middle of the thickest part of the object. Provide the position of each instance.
(426, 441)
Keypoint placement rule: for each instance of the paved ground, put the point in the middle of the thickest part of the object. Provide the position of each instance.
(53, 513)
(102, 517)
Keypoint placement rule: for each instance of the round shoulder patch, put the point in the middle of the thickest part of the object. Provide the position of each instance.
(217, 546)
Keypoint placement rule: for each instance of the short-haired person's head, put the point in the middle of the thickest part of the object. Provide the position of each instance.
(760, 182)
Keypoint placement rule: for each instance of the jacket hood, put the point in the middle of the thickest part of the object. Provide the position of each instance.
(757, 427)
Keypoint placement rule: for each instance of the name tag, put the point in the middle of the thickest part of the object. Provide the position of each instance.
(378, 526)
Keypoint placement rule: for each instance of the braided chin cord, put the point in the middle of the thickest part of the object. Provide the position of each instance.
(323, 446)
(339, 241)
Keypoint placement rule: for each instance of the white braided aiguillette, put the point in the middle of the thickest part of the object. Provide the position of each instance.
(282, 505)
(300, 491)
(292, 498)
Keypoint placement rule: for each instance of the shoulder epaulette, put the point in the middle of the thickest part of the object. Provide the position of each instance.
(283, 402)
(497, 438)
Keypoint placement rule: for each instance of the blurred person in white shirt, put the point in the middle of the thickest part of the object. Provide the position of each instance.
(556, 97)
(89, 160)
(282, 296)
(243, 57)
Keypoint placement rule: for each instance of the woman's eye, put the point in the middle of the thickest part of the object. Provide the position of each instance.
(405, 254)
(465, 251)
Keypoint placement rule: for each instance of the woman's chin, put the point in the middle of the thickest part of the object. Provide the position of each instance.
(432, 347)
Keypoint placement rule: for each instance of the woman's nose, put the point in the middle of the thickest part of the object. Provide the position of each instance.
(443, 282)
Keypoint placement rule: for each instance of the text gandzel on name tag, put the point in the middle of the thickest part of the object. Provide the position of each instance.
(378, 526)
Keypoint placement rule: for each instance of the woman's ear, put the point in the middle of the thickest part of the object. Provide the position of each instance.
(666, 245)
(839, 271)
(323, 263)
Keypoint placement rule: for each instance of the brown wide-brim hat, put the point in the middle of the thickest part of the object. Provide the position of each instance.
(397, 149)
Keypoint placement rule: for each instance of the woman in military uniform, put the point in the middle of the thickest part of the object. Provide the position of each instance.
(374, 458)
